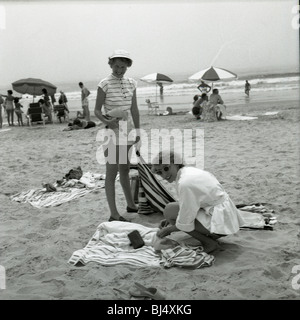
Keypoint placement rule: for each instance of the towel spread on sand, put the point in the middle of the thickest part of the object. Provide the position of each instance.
(71, 190)
(239, 117)
(110, 245)
(257, 216)
(186, 258)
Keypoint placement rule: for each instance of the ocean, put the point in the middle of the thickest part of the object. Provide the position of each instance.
(179, 94)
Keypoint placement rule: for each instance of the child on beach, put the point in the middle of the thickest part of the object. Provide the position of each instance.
(18, 111)
(204, 210)
(118, 96)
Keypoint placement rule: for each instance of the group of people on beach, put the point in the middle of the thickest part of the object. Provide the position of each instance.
(208, 109)
(12, 105)
(204, 210)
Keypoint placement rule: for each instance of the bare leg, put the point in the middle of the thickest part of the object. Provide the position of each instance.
(124, 176)
(200, 233)
(110, 178)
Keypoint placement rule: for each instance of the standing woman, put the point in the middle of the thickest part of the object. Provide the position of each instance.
(117, 94)
(9, 107)
(47, 103)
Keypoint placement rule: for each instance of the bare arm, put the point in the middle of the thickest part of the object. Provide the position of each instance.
(98, 110)
(135, 114)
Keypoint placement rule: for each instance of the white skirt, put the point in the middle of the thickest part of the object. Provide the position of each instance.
(223, 218)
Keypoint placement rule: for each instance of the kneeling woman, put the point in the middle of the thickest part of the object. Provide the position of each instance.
(204, 210)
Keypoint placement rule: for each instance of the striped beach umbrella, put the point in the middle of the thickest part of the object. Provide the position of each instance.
(157, 78)
(213, 74)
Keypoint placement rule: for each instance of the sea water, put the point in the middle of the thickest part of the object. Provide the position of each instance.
(179, 94)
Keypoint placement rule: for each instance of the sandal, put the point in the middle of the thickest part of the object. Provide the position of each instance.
(128, 209)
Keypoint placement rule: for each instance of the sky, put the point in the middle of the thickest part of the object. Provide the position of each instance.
(65, 41)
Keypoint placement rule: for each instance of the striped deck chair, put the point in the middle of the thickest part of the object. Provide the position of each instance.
(152, 196)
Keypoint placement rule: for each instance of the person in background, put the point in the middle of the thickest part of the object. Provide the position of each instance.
(46, 104)
(18, 111)
(204, 209)
(46, 109)
(63, 100)
(80, 124)
(1, 103)
(247, 88)
(215, 100)
(85, 101)
(9, 107)
(197, 105)
(117, 94)
(204, 88)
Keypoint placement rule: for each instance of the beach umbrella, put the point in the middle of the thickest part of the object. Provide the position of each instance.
(213, 74)
(33, 86)
(156, 78)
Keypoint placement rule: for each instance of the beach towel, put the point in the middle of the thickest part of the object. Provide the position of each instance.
(152, 196)
(110, 245)
(186, 258)
(70, 190)
(257, 216)
(239, 117)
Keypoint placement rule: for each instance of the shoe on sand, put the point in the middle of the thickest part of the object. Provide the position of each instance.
(128, 209)
(141, 291)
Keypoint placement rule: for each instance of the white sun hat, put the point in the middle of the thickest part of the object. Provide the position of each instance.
(120, 53)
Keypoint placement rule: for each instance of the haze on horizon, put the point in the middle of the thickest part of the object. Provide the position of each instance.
(71, 40)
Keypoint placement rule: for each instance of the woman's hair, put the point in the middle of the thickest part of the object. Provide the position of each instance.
(215, 91)
(196, 97)
(16, 100)
(77, 122)
(168, 157)
(112, 60)
(9, 91)
(44, 90)
(42, 101)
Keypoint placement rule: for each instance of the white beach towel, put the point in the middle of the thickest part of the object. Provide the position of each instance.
(110, 245)
(73, 189)
(239, 117)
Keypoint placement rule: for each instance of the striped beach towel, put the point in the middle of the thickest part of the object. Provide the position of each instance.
(110, 245)
(152, 195)
(40, 198)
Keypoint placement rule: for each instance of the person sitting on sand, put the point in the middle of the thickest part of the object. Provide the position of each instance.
(204, 209)
(197, 105)
(216, 100)
(80, 124)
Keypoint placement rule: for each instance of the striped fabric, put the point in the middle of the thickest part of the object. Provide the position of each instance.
(118, 92)
(153, 197)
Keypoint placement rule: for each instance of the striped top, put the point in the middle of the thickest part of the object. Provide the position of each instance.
(119, 92)
(118, 100)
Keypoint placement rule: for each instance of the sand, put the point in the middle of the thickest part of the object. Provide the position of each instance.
(256, 161)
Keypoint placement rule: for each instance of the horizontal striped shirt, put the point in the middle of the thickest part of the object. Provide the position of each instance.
(119, 92)
(118, 100)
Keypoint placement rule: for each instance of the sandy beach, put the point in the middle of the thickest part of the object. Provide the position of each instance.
(256, 161)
